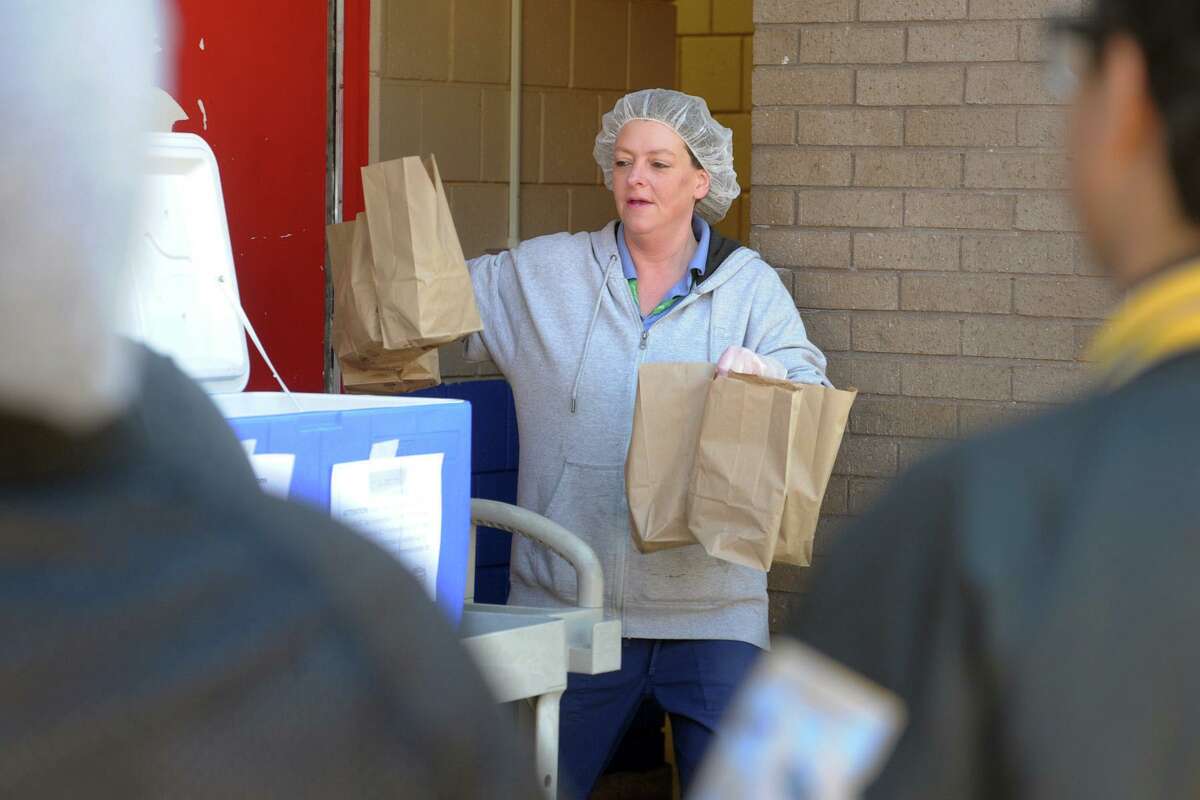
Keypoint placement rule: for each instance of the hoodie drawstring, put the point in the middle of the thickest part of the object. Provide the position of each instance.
(587, 342)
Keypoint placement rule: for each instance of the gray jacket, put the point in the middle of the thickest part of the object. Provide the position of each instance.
(561, 324)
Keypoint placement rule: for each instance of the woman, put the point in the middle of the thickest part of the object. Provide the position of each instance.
(568, 318)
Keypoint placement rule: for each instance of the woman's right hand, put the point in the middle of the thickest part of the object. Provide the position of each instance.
(748, 362)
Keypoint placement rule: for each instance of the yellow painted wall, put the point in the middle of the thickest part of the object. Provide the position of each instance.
(439, 83)
(715, 55)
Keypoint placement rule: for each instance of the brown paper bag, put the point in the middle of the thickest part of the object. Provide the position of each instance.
(423, 373)
(739, 483)
(666, 428)
(808, 478)
(425, 294)
(765, 454)
(356, 334)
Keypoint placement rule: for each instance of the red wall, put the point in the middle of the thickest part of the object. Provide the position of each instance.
(356, 67)
(262, 78)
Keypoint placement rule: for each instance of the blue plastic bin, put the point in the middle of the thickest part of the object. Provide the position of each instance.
(332, 429)
(494, 458)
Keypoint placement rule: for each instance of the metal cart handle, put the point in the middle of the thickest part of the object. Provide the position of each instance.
(523, 522)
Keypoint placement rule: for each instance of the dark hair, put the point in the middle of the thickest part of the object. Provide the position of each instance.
(696, 161)
(1168, 33)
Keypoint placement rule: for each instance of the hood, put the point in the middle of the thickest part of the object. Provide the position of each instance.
(725, 256)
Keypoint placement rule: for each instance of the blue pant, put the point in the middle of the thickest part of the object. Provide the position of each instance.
(692, 680)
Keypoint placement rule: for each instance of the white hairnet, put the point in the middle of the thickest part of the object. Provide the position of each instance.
(710, 141)
(75, 85)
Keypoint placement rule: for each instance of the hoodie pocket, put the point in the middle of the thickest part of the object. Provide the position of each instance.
(589, 501)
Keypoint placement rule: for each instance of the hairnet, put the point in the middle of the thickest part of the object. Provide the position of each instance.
(710, 141)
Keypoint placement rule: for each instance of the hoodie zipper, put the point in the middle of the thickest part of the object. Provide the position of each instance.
(619, 580)
(637, 315)
(645, 340)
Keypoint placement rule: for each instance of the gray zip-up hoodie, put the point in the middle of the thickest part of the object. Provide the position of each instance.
(561, 324)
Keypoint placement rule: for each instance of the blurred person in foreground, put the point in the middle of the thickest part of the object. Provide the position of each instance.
(1031, 595)
(167, 630)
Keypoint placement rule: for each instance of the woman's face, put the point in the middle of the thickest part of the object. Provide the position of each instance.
(655, 184)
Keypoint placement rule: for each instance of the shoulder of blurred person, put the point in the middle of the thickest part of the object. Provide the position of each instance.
(184, 427)
(170, 630)
(1010, 588)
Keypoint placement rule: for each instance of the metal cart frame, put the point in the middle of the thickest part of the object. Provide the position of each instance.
(525, 653)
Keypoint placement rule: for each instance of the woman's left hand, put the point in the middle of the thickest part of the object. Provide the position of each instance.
(748, 362)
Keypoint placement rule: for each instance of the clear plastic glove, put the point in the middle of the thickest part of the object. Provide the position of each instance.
(748, 362)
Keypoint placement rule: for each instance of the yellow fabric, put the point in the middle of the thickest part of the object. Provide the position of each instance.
(1157, 322)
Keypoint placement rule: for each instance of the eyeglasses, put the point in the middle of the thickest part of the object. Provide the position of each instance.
(1075, 44)
(1069, 58)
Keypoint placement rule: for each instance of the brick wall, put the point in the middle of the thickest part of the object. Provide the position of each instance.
(908, 181)
(439, 83)
(715, 57)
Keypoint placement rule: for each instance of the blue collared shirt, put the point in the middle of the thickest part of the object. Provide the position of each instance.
(702, 232)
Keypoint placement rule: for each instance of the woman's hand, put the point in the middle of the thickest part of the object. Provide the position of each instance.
(748, 362)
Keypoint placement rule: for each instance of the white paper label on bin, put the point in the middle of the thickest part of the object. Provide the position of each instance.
(274, 472)
(385, 449)
(397, 503)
